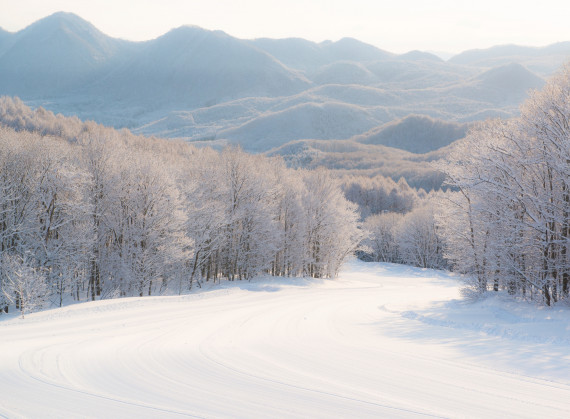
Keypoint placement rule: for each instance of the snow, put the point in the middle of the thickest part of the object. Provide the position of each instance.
(381, 341)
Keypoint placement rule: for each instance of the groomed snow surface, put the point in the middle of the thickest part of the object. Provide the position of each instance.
(380, 341)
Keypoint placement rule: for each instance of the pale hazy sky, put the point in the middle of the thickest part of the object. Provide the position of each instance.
(396, 25)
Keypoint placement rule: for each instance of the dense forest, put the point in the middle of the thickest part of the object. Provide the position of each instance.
(508, 224)
(89, 212)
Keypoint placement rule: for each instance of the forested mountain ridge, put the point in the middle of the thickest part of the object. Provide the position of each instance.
(415, 133)
(343, 157)
(351, 158)
(201, 85)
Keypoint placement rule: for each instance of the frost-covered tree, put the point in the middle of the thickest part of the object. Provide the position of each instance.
(413, 238)
(332, 229)
(22, 284)
(289, 258)
(205, 222)
(381, 243)
(380, 194)
(96, 156)
(18, 180)
(146, 222)
(60, 232)
(418, 238)
(508, 225)
(251, 229)
(43, 213)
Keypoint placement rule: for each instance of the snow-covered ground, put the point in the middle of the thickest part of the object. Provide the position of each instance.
(380, 341)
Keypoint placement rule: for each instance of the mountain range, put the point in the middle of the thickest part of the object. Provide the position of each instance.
(209, 87)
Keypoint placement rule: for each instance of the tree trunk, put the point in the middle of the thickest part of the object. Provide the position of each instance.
(546, 291)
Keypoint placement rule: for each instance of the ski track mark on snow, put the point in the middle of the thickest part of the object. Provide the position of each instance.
(26, 365)
(381, 341)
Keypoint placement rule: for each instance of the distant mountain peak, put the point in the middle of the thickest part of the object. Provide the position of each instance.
(57, 51)
(66, 25)
(191, 33)
(510, 82)
(512, 73)
(417, 55)
(65, 16)
(62, 20)
(544, 60)
(350, 48)
(189, 29)
(349, 40)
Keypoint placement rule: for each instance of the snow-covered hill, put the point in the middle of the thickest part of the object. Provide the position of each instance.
(328, 121)
(349, 157)
(381, 341)
(502, 85)
(415, 133)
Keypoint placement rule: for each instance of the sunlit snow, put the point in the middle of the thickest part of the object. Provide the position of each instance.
(381, 341)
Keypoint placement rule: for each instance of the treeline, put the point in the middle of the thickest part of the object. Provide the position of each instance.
(104, 213)
(412, 238)
(351, 158)
(379, 194)
(400, 221)
(15, 114)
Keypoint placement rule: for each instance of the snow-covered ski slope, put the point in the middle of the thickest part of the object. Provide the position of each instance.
(380, 341)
